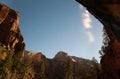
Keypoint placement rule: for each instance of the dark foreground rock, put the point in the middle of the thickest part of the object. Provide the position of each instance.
(108, 13)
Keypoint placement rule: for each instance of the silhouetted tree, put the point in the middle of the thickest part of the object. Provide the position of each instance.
(68, 70)
(40, 72)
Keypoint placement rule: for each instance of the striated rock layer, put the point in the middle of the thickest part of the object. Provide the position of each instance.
(10, 35)
(108, 13)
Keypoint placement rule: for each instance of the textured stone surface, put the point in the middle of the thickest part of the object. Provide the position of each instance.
(61, 56)
(55, 67)
(110, 62)
(10, 35)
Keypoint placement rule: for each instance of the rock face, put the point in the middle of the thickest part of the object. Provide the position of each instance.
(110, 61)
(10, 35)
(64, 65)
(61, 56)
(108, 13)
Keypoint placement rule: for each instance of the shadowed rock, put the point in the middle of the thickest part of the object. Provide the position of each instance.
(107, 12)
(10, 35)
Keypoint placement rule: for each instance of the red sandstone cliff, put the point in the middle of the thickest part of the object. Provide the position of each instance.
(10, 35)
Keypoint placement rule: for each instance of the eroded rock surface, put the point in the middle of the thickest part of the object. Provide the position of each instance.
(10, 35)
(63, 63)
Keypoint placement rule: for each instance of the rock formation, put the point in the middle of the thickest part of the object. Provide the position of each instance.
(108, 13)
(60, 65)
(10, 35)
(61, 56)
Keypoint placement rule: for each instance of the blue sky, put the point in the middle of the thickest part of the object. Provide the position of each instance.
(50, 26)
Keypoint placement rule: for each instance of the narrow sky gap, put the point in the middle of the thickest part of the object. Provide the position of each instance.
(86, 20)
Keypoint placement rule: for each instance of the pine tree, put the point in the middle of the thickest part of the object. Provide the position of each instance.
(68, 70)
(40, 73)
(5, 63)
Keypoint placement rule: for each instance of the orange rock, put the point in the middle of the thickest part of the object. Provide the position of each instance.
(10, 34)
(3, 56)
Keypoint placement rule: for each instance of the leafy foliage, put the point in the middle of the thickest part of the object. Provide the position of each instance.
(12, 67)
